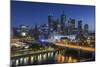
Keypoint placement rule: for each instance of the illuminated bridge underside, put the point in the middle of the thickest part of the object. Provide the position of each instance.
(77, 47)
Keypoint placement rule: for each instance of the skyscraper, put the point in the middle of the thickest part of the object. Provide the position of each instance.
(71, 26)
(55, 24)
(58, 26)
(62, 23)
(80, 26)
(50, 23)
(80, 35)
(86, 28)
(36, 32)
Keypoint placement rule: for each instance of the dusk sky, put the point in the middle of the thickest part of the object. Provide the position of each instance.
(31, 13)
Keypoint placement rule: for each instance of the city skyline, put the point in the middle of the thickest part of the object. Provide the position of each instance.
(51, 33)
(34, 13)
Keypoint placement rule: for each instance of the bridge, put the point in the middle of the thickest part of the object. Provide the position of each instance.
(84, 48)
(72, 46)
(30, 52)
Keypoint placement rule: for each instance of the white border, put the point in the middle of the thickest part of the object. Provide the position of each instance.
(5, 33)
(82, 2)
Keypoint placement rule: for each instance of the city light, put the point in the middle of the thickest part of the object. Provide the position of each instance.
(53, 36)
(23, 34)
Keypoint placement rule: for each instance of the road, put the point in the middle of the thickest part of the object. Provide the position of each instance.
(26, 52)
(76, 47)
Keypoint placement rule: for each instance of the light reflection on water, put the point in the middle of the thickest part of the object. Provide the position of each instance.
(32, 58)
(17, 62)
(65, 59)
(45, 58)
(39, 58)
(25, 60)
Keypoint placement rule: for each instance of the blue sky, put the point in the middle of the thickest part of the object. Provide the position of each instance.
(31, 13)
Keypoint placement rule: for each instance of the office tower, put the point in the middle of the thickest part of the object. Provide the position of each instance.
(62, 23)
(86, 28)
(80, 35)
(36, 32)
(50, 23)
(58, 26)
(80, 26)
(43, 29)
(55, 25)
(71, 26)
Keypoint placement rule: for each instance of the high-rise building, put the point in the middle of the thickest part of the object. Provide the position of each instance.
(62, 23)
(71, 26)
(36, 32)
(55, 25)
(86, 28)
(80, 26)
(80, 35)
(58, 26)
(50, 23)
(43, 29)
